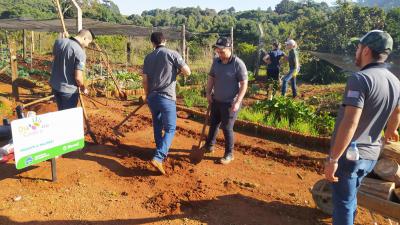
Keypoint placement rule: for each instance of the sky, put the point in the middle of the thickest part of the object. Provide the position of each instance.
(129, 7)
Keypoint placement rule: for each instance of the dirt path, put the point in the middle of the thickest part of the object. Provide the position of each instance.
(112, 183)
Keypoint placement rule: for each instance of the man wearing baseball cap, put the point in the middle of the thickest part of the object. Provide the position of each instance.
(371, 101)
(226, 87)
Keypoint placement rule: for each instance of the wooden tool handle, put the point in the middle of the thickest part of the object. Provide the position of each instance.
(37, 101)
(205, 125)
(61, 16)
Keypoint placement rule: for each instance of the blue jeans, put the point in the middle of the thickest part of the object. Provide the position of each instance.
(344, 196)
(222, 117)
(66, 100)
(286, 79)
(163, 111)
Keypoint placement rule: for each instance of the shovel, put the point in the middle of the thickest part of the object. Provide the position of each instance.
(197, 153)
(142, 102)
(86, 118)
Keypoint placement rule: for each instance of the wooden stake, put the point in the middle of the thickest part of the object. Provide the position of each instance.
(24, 45)
(183, 44)
(40, 43)
(232, 39)
(32, 47)
(33, 41)
(129, 51)
(260, 46)
(14, 69)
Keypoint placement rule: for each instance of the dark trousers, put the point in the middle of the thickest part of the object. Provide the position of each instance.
(222, 117)
(272, 81)
(66, 100)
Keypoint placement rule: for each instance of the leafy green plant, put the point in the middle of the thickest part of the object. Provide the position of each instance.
(193, 98)
(131, 80)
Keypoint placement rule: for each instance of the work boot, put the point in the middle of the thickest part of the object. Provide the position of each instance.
(209, 149)
(227, 159)
(158, 166)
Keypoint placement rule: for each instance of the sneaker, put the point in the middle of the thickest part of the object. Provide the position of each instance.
(227, 159)
(208, 149)
(158, 166)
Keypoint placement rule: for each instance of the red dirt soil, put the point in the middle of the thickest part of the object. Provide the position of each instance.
(112, 183)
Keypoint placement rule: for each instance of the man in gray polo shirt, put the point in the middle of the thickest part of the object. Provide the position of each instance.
(67, 69)
(160, 69)
(370, 102)
(226, 87)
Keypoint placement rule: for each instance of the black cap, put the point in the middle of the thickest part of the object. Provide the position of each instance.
(223, 42)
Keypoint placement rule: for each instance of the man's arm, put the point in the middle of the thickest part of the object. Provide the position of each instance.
(345, 131)
(240, 96)
(145, 84)
(344, 134)
(393, 123)
(185, 70)
(79, 80)
(210, 87)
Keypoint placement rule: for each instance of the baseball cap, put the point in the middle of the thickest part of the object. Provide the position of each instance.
(290, 42)
(223, 42)
(377, 40)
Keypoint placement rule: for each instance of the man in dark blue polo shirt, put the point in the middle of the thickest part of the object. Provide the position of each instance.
(273, 66)
(67, 68)
(160, 69)
(226, 87)
(371, 101)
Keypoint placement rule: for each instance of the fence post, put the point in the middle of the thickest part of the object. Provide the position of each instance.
(259, 48)
(129, 51)
(24, 45)
(183, 44)
(32, 46)
(14, 69)
(232, 39)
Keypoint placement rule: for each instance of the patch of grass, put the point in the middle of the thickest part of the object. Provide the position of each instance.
(304, 128)
(252, 116)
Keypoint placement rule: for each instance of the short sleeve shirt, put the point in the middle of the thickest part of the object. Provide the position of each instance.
(227, 78)
(161, 67)
(68, 57)
(376, 91)
(275, 57)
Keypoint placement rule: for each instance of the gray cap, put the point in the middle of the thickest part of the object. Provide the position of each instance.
(377, 40)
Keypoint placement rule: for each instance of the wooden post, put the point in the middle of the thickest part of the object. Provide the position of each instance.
(232, 39)
(24, 45)
(33, 41)
(259, 48)
(40, 43)
(187, 55)
(32, 47)
(14, 69)
(129, 51)
(1, 49)
(183, 44)
(53, 170)
(78, 16)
